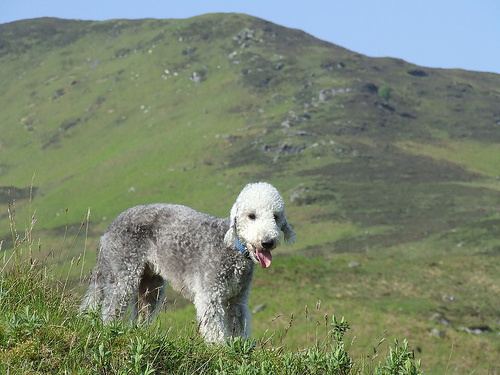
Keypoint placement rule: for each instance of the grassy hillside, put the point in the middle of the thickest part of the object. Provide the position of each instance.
(99, 116)
(40, 332)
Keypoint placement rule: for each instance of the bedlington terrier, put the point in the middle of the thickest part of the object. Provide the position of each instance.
(209, 260)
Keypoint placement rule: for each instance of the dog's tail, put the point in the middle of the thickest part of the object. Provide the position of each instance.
(93, 297)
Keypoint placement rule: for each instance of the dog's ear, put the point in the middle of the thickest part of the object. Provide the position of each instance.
(288, 233)
(230, 237)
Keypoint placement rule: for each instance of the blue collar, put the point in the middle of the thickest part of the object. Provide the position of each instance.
(242, 249)
(240, 246)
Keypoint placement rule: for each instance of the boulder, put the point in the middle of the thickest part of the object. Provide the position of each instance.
(417, 73)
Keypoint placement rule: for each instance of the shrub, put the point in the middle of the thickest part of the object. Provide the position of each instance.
(385, 93)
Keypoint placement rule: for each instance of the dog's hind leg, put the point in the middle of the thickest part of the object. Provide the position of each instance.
(119, 292)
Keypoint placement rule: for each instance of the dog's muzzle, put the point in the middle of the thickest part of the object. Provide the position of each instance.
(259, 255)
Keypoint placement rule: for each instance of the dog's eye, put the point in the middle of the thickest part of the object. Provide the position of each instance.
(276, 217)
(252, 216)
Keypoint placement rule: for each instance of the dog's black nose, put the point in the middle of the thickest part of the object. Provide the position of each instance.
(267, 244)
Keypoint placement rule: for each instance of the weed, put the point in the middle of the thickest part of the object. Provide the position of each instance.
(23, 325)
(102, 358)
(241, 347)
(339, 329)
(138, 362)
(400, 361)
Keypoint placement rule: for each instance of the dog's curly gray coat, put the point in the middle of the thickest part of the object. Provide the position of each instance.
(196, 253)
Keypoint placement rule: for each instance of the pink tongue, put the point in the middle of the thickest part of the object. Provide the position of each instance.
(265, 257)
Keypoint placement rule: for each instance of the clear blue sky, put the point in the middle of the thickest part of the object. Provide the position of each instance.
(432, 33)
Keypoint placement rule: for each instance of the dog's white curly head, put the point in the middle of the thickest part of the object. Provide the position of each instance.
(257, 220)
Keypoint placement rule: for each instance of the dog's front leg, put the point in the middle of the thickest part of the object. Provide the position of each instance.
(212, 319)
(238, 315)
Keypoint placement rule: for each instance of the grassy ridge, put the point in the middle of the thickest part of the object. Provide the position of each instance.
(41, 332)
(433, 300)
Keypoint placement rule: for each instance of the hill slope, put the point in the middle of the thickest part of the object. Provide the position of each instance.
(111, 114)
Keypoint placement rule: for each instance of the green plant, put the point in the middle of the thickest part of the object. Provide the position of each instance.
(241, 347)
(338, 359)
(400, 361)
(385, 93)
(339, 328)
(24, 324)
(139, 364)
(102, 357)
(292, 363)
(246, 369)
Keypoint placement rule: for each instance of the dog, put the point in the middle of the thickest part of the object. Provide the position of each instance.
(209, 260)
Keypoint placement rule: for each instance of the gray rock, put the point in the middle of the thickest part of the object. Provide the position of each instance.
(258, 308)
(437, 333)
(477, 330)
(298, 193)
(304, 133)
(439, 318)
(196, 78)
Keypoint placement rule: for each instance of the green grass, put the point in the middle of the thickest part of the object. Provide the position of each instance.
(389, 296)
(474, 156)
(384, 295)
(41, 332)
